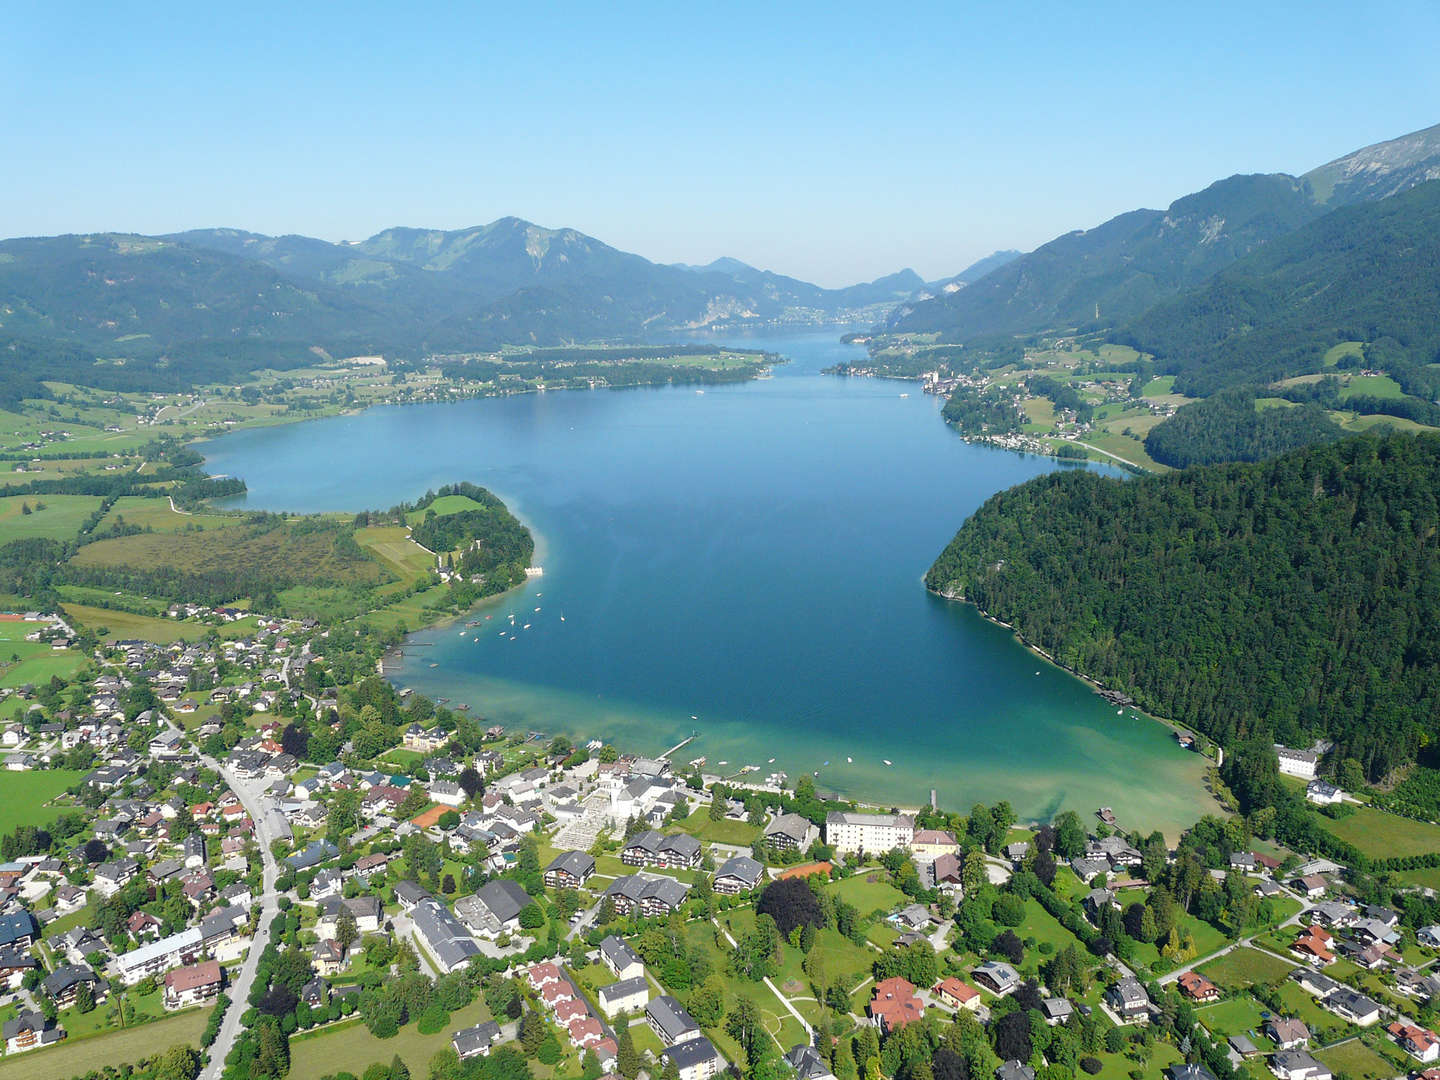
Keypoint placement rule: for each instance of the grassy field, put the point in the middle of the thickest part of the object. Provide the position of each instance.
(1426, 878)
(24, 795)
(1381, 835)
(1359, 1062)
(1378, 386)
(1044, 927)
(443, 506)
(392, 545)
(353, 1049)
(118, 1048)
(1160, 386)
(60, 520)
(724, 831)
(1040, 412)
(121, 625)
(24, 661)
(287, 556)
(1235, 1016)
(868, 896)
(156, 514)
(1131, 450)
(1245, 967)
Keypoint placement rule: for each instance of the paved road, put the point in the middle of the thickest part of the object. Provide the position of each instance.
(239, 989)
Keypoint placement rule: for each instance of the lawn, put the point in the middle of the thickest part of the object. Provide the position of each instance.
(353, 1049)
(60, 520)
(868, 895)
(117, 1048)
(724, 831)
(24, 795)
(1246, 967)
(1235, 1016)
(1359, 1062)
(1383, 836)
(1044, 927)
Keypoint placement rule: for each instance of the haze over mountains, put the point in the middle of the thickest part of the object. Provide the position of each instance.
(403, 289)
(1101, 277)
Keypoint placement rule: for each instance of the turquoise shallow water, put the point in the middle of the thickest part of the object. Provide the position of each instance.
(751, 556)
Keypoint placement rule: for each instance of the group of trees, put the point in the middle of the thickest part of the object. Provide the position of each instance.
(1293, 598)
(1228, 427)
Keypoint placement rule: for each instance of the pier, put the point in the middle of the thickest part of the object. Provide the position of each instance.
(679, 746)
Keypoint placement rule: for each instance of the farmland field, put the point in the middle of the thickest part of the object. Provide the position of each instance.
(60, 519)
(351, 1048)
(23, 796)
(1381, 835)
(118, 1048)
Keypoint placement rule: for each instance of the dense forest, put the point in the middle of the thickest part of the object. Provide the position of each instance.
(489, 539)
(1227, 427)
(1368, 273)
(1291, 599)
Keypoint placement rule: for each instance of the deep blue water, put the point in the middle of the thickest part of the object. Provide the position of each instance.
(751, 556)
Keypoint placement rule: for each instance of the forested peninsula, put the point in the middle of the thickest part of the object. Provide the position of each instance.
(1291, 599)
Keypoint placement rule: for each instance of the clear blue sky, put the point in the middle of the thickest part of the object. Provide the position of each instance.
(833, 142)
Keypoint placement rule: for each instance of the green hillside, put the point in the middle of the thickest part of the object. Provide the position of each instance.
(1367, 273)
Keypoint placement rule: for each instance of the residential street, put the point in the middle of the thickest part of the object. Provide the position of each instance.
(239, 989)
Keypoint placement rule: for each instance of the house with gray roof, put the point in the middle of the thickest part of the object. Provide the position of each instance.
(669, 1020)
(444, 938)
(738, 875)
(653, 894)
(569, 870)
(494, 909)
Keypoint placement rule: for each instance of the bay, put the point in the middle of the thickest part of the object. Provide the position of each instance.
(750, 557)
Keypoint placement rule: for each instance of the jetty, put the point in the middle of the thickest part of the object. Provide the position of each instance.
(679, 746)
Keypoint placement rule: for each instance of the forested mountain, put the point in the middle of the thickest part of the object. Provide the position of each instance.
(1295, 598)
(1115, 271)
(214, 303)
(1369, 272)
(1112, 273)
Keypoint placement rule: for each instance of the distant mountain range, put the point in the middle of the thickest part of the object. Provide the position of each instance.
(1105, 276)
(160, 301)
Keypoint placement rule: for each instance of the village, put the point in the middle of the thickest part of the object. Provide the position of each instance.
(251, 844)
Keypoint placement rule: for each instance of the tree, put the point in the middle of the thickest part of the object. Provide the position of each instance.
(791, 903)
(744, 1024)
(84, 998)
(471, 783)
(531, 917)
(945, 1065)
(1008, 946)
(180, 1062)
(346, 931)
(532, 1031)
(627, 1058)
(1012, 1037)
(1069, 835)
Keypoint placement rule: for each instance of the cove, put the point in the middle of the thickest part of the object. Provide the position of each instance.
(750, 556)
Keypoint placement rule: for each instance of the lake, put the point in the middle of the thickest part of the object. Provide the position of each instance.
(744, 562)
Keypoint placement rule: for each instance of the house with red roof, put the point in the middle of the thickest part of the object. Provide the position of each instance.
(894, 1004)
(958, 995)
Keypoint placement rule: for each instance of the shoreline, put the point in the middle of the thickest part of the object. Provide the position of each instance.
(1099, 687)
